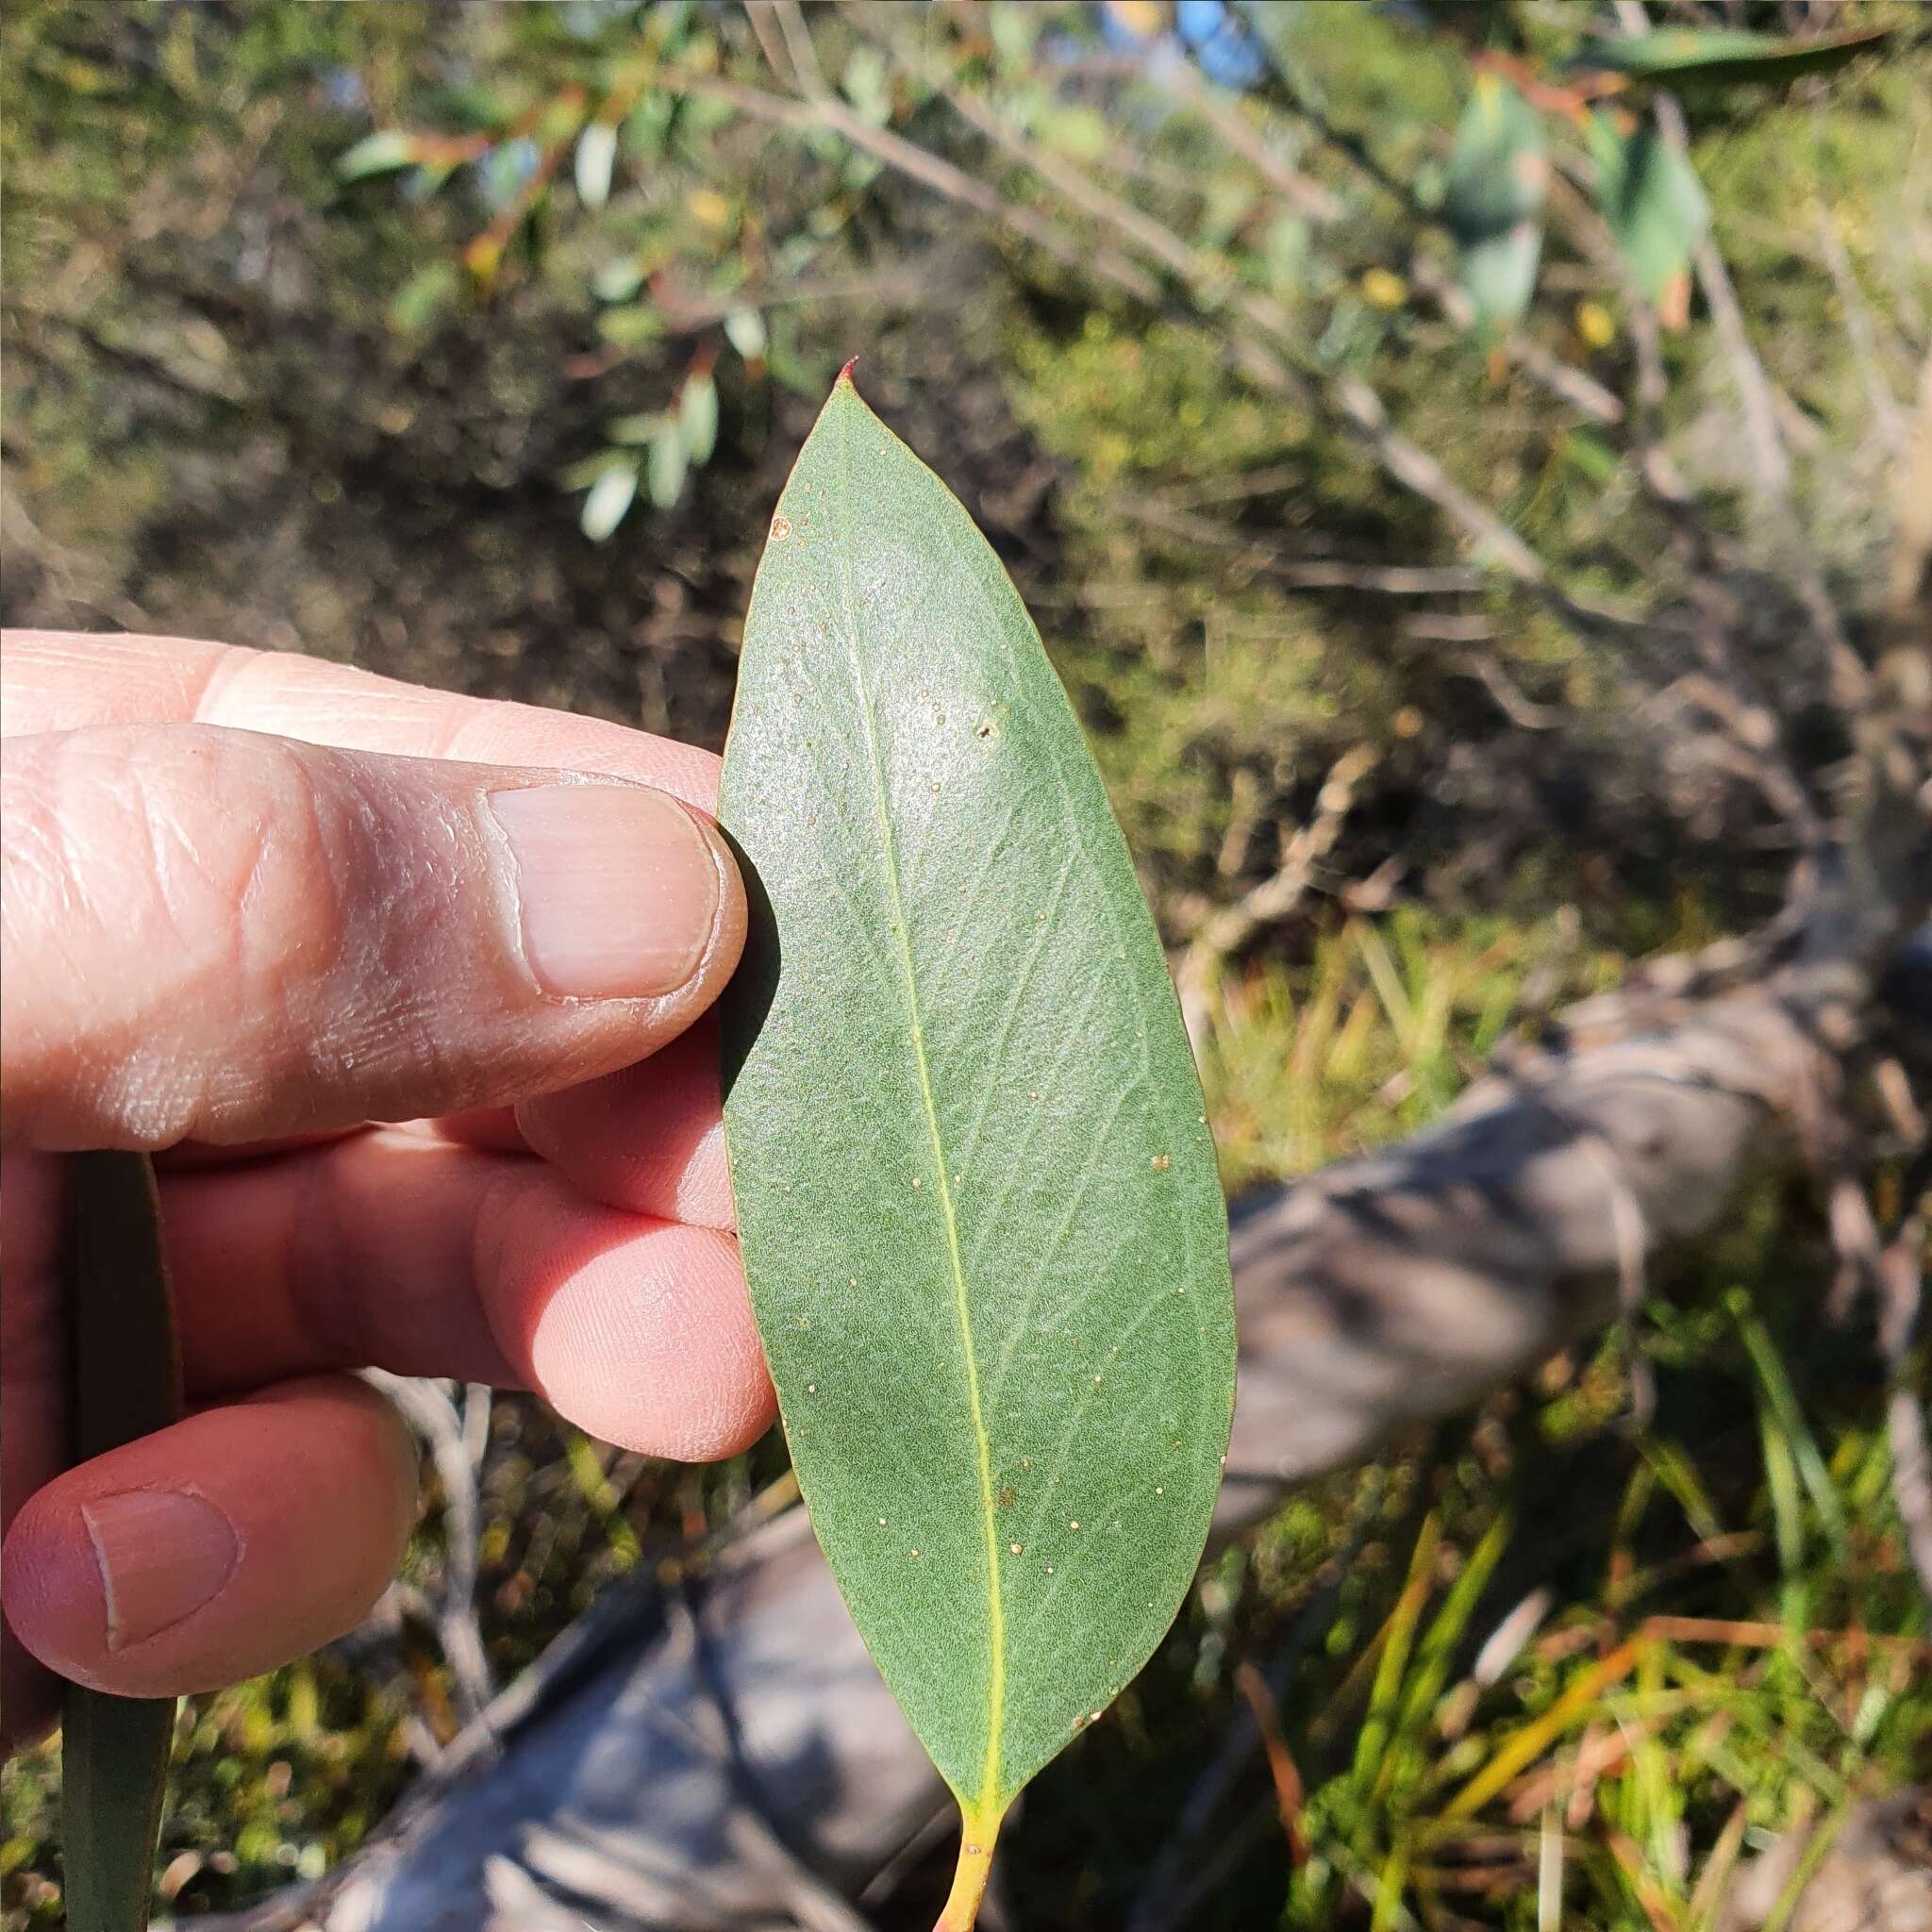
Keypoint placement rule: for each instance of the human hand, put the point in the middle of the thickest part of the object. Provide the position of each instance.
(253, 909)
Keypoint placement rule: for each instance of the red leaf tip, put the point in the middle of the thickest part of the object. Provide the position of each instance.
(845, 373)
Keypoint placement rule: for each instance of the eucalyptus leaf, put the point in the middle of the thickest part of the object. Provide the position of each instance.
(381, 153)
(609, 500)
(978, 1198)
(1720, 56)
(631, 326)
(1651, 198)
(126, 1382)
(697, 417)
(744, 329)
(636, 428)
(1498, 171)
(597, 154)
(619, 279)
(666, 465)
(424, 296)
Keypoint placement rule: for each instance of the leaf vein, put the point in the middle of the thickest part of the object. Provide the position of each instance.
(989, 1791)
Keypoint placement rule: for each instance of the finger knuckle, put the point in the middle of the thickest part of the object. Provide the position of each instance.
(159, 879)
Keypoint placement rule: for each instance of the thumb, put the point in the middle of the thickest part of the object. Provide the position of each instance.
(227, 936)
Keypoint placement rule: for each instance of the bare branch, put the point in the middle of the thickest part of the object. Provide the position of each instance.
(804, 59)
(449, 1438)
(759, 12)
(1521, 711)
(1887, 417)
(1224, 114)
(924, 167)
(1277, 897)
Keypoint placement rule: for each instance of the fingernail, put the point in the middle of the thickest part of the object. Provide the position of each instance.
(162, 1554)
(617, 888)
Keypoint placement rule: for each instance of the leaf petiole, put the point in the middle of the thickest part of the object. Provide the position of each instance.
(978, 1832)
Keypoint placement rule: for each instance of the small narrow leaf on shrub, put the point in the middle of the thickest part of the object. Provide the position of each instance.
(596, 153)
(609, 500)
(697, 417)
(126, 1382)
(424, 294)
(744, 329)
(1651, 198)
(619, 279)
(1716, 55)
(381, 153)
(665, 465)
(979, 1202)
(1497, 174)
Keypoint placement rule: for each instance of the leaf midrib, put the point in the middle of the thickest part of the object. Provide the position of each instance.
(988, 1803)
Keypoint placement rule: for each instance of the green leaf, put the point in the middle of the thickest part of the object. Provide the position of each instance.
(1497, 174)
(609, 500)
(597, 154)
(1650, 196)
(377, 154)
(631, 326)
(697, 418)
(637, 428)
(1079, 132)
(744, 329)
(619, 279)
(127, 1383)
(666, 463)
(647, 127)
(1499, 272)
(1716, 55)
(424, 296)
(978, 1198)
(866, 86)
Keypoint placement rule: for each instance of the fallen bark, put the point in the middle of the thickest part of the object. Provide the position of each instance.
(721, 1753)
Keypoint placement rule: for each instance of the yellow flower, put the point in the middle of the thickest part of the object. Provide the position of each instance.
(1383, 289)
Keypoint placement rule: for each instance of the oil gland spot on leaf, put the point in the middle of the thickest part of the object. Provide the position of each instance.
(889, 1031)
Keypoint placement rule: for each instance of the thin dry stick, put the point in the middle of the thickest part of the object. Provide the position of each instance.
(1259, 348)
(923, 166)
(1362, 410)
(804, 59)
(1660, 473)
(1345, 396)
(1222, 113)
(1515, 705)
(1760, 761)
(1576, 387)
(1901, 1288)
(433, 1417)
(1272, 901)
(1887, 417)
(759, 12)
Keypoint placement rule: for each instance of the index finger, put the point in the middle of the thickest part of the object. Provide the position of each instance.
(72, 680)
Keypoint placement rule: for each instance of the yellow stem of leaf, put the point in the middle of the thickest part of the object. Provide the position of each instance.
(977, 1831)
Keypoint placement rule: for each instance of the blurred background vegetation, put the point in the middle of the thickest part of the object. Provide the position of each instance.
(472, 344)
